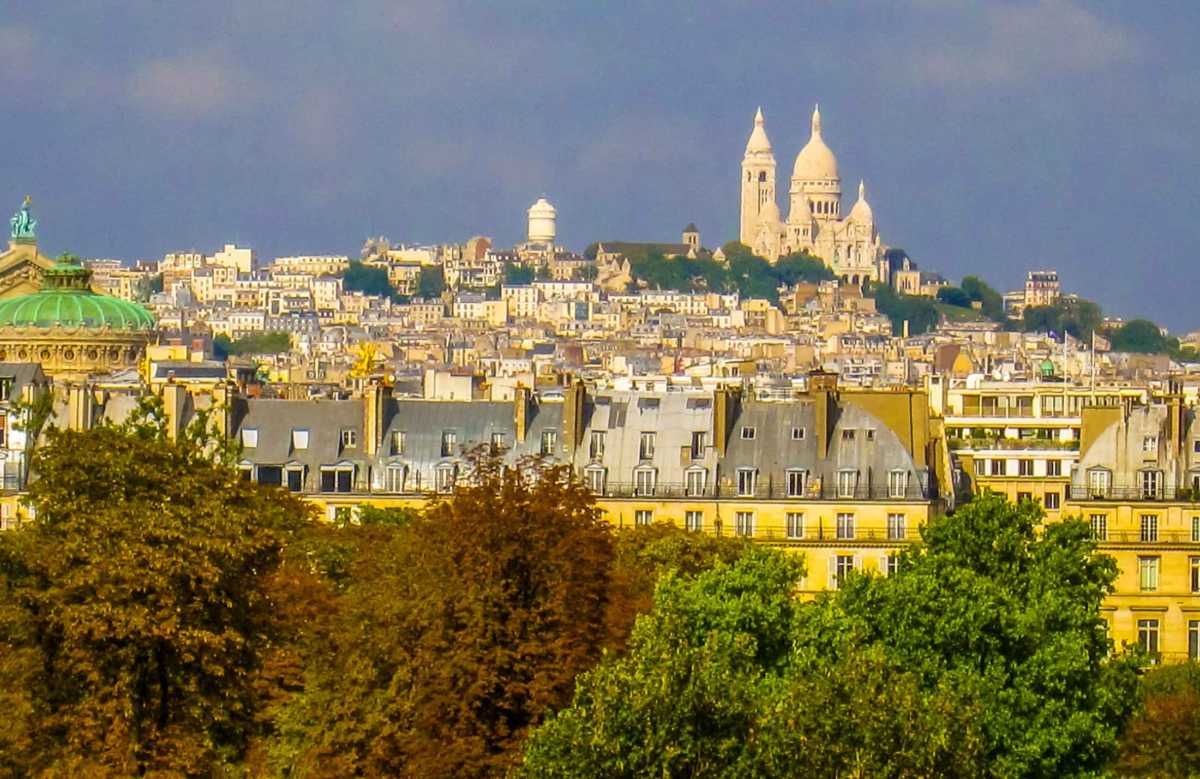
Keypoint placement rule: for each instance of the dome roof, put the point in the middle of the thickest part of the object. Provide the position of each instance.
(758, 141)
(542, 208)
(815, 160)
(861, 212)
(67, 301)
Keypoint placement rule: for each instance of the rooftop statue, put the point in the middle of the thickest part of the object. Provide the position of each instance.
(24, 226)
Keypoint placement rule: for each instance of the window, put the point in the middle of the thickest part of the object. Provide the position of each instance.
(797, 482)
(889, 564)
(596, 445)
(845, 527)
(6, 389)
(644, 480)
(1099, 481)
(300, 438)
(699, 444)
(444, 477)
(999, 467)
(870, 434)
(270, 475)
(498, 443)
(449, 442)
(643, 517)
(694, 521)
(693, 482)
(1150, 444)
(1194, 639)
(549, 442)
(897, 483)
(1148, 635)
(295, 479)
(897, 527)
(744, 523)
(1149, 527)
(1150, 484)
(393, 477)
(842, 566)
(1054, 467)
(337, 478)
(594, 477)
(1148, 574)
(747, 434)
(1024, 467)
(1195, 530)
(1053, 500)
(349, 438)
(1196, 446)
(795, 524)
(648, 404)
(1024, 496)
(797, 434)
(646, 446)
(250, 437)
(848, 434)
(847, 482)
(981, 467)
(246, 471)
(399, 441)
(1099, 527)
(745, 481)
(1194, 573)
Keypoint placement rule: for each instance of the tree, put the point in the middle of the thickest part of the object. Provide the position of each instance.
(459, 631)
(370, 280)
(991, 301)
(136, 607)
(518, 274)
(268, 342)
(801, 267)
(1041, 319)
(430, 283)
(1139, 335)
(1163, 740)
(920, 312)
(984, 654)
(954, 296)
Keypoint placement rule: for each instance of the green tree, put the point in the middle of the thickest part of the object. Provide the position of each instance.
(269, 342)
(430, 283)
(137, 610)
(1163, 740)
(801, 267)
(457, 632)
(1041, 319)
(1139, 335)
(368, 279)
(954, 296)
(991, 301)
(518, 274)
(920, 312)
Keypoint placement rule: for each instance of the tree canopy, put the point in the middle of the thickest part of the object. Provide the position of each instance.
(137, 610)
(368, 279)
(742, 271)
(991, 302)
(1139, 335)
(984, 654)
(267, 342)
(430, 283)
(919, 311)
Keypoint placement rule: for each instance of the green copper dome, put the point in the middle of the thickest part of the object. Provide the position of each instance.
(66, 300)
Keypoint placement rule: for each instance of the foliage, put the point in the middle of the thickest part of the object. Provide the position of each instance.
(368, 279)
(136, 606)
(1076, 316)
(430, 283)
(751, 276)
(1139, 335)
(518, 274)
(919, 311)
(1163, 740)
(954, 296)
(991, 302)
(984, 655)
(267, 342)
(457, 632)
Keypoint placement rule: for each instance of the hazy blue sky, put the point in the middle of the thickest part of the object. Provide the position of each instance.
(994, 137)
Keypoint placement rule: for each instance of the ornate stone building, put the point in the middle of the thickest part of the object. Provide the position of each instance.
(49, 313)
(849, 245)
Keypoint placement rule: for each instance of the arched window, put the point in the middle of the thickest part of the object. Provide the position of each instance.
(762, 175)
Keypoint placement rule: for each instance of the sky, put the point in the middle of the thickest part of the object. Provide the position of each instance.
(994, 138)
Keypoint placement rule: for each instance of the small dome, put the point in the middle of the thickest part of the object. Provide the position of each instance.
(542, 208)
(815, 160)
(67, 301)
(758, 141)
(861, 212)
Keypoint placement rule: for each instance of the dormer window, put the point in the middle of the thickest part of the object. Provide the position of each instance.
(349, 438)
(1150, 444)
(797, 434)
(748, 433)
(300, 438)
(250, 437)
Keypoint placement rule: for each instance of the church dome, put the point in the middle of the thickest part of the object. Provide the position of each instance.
(67, 301)
(815, 160)
(861, 212)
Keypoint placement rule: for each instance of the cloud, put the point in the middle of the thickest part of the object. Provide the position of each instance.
(190, 87)
(1016, 43)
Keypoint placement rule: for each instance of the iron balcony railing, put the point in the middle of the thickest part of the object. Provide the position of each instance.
(759, 492)
(1138, 537)
(1139, 494)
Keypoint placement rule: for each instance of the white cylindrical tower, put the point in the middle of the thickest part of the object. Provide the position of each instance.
(541, 222)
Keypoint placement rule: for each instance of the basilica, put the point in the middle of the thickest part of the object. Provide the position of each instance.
(848, 244)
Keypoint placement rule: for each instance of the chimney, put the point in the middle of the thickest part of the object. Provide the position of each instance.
(521, 412)
(175, 397)
(375, 397)
(79, 407)
(822, 386)
(573, 406)
(725, 404)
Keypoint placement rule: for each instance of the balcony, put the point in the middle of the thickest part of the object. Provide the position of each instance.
(1137, 494)
(1135, 537)
(1009, 444)
(761, 492)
